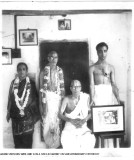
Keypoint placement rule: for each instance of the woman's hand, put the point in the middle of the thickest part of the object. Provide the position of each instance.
(8, 117)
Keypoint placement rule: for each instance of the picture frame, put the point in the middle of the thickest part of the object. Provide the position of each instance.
(64, 24)
(28, 37)
(6, 56)
(108, 118)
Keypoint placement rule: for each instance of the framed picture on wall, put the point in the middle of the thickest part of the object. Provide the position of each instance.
(108, 118)
(6, 56)
(28, 37)
(64, 24)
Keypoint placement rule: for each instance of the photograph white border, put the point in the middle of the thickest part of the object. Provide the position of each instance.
(124, 4)
(28, 41)
(103, 120)
(7, 60)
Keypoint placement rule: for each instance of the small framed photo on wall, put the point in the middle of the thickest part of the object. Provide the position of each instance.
(28, 37)
(6, 56)
(64, 24)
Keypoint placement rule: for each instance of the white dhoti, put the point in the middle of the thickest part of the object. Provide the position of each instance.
(51, 130)
(73, 138)
(104, 96)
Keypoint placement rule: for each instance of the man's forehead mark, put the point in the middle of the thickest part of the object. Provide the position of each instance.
(75, 83)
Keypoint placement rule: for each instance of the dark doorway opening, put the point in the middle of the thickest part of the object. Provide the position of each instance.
(73, 59)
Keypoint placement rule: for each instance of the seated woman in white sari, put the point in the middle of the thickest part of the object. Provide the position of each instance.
(75, 111)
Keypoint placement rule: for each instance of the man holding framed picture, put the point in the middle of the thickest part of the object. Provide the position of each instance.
(103, 89)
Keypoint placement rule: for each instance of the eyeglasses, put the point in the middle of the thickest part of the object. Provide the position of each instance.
(73, 87)
(53, 57)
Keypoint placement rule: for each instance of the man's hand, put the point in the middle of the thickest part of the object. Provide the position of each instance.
(78, 123)
(92, 103)
(119, 102)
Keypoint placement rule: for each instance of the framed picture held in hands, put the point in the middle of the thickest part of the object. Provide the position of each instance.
(108, 118)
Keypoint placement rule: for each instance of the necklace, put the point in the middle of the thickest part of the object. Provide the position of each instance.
(104, 69)
(21, 102)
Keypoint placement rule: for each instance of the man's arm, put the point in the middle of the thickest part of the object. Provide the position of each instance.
(62, 110)
(75, 122)
(91, 86)
(89, 110)
(61, 78)
(114, 86)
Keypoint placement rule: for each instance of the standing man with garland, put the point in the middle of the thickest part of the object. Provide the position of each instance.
(23, 108)
(51, 93)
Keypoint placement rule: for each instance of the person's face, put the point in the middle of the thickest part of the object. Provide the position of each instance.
(53, 59)
(102, 53)
(22, 72)
(75, 88)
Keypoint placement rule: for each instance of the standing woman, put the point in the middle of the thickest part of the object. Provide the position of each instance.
(22, 107)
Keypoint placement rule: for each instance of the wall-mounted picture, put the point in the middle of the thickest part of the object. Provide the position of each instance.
(28, 37)
(64, 24)
(6, 56)
(108, 118)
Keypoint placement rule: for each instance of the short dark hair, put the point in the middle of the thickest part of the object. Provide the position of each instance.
(99, 45)
(51, 53)
(22, 63)
(75, 80)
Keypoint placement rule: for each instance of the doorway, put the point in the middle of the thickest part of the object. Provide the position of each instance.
(73, 59)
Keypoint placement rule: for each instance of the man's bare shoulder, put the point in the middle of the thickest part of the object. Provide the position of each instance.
(92, 67)
(66, 100)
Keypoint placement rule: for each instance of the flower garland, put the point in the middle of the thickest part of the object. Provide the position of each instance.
(20, 102)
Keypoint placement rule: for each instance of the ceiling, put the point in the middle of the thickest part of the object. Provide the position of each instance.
(58, 12)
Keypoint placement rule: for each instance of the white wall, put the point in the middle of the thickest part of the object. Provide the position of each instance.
(114, 29)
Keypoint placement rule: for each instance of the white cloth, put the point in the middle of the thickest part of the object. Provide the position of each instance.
(104, 96)
(78, 138)
(51, 131)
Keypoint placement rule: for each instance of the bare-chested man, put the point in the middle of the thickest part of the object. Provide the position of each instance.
(75, 111)
(103, 89)
(102, 79)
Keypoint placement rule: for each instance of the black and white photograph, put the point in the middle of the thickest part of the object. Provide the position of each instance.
(68, 89)
(108, 118)
(28, 37)
(6, 56)
(64, 24)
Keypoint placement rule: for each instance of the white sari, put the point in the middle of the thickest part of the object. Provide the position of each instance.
(78, 138)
